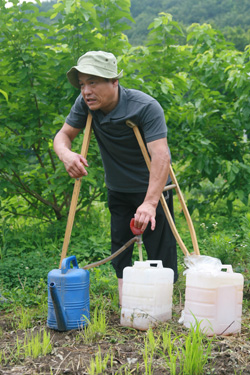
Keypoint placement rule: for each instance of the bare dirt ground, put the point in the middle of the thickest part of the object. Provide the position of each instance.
(71, 355)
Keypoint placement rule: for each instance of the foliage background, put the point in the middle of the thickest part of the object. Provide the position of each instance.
(200, 79)
(230, 17)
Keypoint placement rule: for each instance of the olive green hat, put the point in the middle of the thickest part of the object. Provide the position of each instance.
(96, 63)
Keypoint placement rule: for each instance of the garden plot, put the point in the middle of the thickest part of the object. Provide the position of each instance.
(107, 348)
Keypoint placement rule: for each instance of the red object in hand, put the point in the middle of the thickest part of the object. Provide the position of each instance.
(135, 231)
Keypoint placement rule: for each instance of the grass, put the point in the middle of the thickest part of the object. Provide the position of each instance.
(169, 350)
(150, 346)
(195, 352)
(37, 344)
(99, 363)
(23, 318)
(185, 354)
(96, 327)
(31, 345)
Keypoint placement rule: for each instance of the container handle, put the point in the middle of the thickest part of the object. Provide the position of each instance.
(227, 267)
(66, 263)
(155, 263)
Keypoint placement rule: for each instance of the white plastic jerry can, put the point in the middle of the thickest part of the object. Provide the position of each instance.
(146, 294)
(214, 300)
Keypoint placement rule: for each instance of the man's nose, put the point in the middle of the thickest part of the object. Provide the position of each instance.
(86, 90)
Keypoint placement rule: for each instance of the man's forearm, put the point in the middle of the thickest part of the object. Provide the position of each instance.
(62, 144)
(159, 171)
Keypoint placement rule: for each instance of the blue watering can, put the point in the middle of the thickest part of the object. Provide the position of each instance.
(68, 296)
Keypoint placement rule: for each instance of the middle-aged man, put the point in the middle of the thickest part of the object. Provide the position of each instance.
(132, 190)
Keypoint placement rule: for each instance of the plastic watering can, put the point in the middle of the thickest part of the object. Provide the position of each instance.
(68, 296)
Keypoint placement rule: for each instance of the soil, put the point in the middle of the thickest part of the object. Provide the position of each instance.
(71, 355)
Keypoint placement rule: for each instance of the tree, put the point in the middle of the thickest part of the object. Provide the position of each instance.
(221, 14)
(203, 87)
(34, 58)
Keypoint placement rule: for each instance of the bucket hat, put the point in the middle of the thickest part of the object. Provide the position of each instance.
(96, 63)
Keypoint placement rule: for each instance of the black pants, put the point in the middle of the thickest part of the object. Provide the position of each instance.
(160, 244)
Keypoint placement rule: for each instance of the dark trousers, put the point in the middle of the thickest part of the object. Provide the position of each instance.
(160, 244)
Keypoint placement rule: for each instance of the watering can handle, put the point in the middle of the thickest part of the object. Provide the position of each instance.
(66, 263)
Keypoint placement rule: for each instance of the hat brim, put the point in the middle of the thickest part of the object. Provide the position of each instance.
(72, 74)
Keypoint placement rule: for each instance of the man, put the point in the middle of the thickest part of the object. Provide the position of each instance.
(132, 190)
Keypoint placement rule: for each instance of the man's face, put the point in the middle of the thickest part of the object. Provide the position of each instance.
(98, 93)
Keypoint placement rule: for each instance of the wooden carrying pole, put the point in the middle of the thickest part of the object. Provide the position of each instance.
(75, 195)
(175, 186)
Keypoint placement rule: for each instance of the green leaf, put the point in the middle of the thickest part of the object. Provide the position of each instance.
(4, 94)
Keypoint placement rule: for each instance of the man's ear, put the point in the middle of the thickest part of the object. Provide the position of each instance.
(115, 82)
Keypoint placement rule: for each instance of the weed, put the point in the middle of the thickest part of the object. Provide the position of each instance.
(3, 358)
(169, 348)
(99, 364)
(103, 280)
(26, 295)
(194, 353)
(35, 345)
(150, 347)
(23, 318)
(148, 358)
(96, 328)
(152, 342)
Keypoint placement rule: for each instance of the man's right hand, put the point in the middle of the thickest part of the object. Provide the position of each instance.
(75, 164)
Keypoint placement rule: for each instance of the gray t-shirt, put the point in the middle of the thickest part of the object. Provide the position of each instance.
(124, 165)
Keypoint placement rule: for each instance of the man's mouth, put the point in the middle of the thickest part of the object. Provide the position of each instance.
(90, 101)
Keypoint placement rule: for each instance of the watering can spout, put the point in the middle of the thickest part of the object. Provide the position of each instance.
(59, 310)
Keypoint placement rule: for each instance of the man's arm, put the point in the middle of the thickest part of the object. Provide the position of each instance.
(159, 171)
(74, 163)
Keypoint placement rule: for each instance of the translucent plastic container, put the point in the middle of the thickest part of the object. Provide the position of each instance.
(214, 300)
(146, 295)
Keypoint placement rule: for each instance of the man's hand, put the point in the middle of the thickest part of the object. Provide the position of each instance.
(159, 170)
(75, 164)
(145, 213)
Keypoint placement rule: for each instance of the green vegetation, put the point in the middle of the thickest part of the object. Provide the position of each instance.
(100, 364)
(96, 328)
(202, 85)
(168, 346)
(202, 82)
(36, 345)
(184, 354)
(230, 17)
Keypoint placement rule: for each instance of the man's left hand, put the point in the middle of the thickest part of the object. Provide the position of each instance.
(145, 213)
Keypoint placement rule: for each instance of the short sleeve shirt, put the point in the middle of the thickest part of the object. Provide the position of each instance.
(123, 162)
